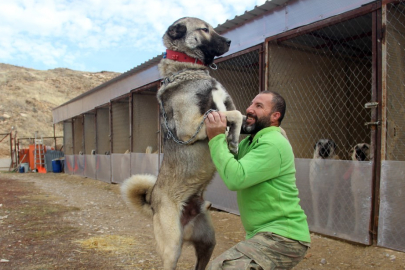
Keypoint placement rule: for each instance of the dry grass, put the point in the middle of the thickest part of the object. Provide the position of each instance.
(109, 243)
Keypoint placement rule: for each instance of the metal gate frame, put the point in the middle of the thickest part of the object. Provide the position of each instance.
(376, 117)
(259, 47)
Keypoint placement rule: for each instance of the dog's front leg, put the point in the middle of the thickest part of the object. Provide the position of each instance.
(235, 120)
(191, 128)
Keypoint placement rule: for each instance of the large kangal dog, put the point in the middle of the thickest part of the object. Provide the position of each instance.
(174, 199)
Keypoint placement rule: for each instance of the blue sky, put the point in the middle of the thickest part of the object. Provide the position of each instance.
(97, 35)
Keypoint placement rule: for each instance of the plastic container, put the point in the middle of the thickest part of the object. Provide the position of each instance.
(56, 165)
(21, 169)
(25, 167)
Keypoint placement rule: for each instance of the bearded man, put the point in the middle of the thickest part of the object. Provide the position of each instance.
(263, 174)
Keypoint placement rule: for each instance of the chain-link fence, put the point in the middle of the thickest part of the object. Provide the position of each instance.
(391, 230)
(240, 76)
(325, 76)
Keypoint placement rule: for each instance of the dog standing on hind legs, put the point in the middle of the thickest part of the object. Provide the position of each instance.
(174, 199)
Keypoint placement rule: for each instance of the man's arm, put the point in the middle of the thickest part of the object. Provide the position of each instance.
(260, 164)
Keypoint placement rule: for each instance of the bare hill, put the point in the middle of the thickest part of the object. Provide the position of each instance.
(27, 97)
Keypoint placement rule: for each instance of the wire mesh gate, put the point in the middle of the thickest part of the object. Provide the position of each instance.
(391, 230)
(325, 75)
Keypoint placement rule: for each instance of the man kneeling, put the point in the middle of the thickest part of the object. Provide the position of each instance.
(263, 174)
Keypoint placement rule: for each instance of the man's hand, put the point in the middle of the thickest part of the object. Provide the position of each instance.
(215, 124)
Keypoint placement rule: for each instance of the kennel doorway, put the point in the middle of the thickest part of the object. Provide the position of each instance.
(89, 144)
(68, 137)
(89, 133)
(103, 144)
(68, 145)
(326, 76)
(78, 138)
(145, 130)
(120, 139)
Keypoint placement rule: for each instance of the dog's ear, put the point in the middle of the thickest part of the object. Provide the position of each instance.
(364, 148)
(332, 143)
(177, 30)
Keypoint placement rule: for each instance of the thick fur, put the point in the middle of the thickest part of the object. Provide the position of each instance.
(179, 212)
(321, 180)
(358, 182)
(136, 191)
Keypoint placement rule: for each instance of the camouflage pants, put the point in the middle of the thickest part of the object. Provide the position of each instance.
(264, 251)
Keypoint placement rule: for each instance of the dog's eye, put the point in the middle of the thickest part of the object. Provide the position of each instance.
(204, 29)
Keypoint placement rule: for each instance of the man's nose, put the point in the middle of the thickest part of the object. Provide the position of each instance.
(249, 109)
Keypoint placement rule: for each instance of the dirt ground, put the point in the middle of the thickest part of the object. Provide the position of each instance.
(59, 221)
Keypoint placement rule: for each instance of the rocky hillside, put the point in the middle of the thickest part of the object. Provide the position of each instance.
(27, 97)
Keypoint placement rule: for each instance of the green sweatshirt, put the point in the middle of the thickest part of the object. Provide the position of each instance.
(263, 174)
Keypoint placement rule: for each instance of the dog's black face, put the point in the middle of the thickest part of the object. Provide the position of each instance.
(361, 152)
(216, 46)
(196, 38)
(324, 149)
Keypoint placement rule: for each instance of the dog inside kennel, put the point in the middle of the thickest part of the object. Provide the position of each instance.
(145, 129)
(325, 75)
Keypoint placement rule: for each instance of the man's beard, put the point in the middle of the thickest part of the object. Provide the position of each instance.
(259, 124)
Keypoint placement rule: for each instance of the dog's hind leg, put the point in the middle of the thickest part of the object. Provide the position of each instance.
(168, 235)
(202, 237)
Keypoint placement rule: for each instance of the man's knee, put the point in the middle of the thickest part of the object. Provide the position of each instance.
(265, 250)
(230, 259)
(233, 259)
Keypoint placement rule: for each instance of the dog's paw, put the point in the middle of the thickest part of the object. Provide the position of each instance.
(229, 136)
(233, 147)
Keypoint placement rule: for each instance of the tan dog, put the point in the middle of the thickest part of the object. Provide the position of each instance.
(323, 188)
(361, 152)
(360, 181)
(174, 199)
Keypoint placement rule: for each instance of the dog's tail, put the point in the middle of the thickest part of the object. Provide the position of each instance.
(137, 191)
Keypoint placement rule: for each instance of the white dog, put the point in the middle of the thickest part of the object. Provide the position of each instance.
(322, 180)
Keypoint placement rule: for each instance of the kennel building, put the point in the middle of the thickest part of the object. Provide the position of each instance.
(340, 66)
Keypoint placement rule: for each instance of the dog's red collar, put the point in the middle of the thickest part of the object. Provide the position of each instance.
(181, 57)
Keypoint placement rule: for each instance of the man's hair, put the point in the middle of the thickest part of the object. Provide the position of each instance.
(278, 104)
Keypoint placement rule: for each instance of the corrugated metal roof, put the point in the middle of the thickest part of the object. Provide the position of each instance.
(221, 28)
(249, 15)
(145, 65)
